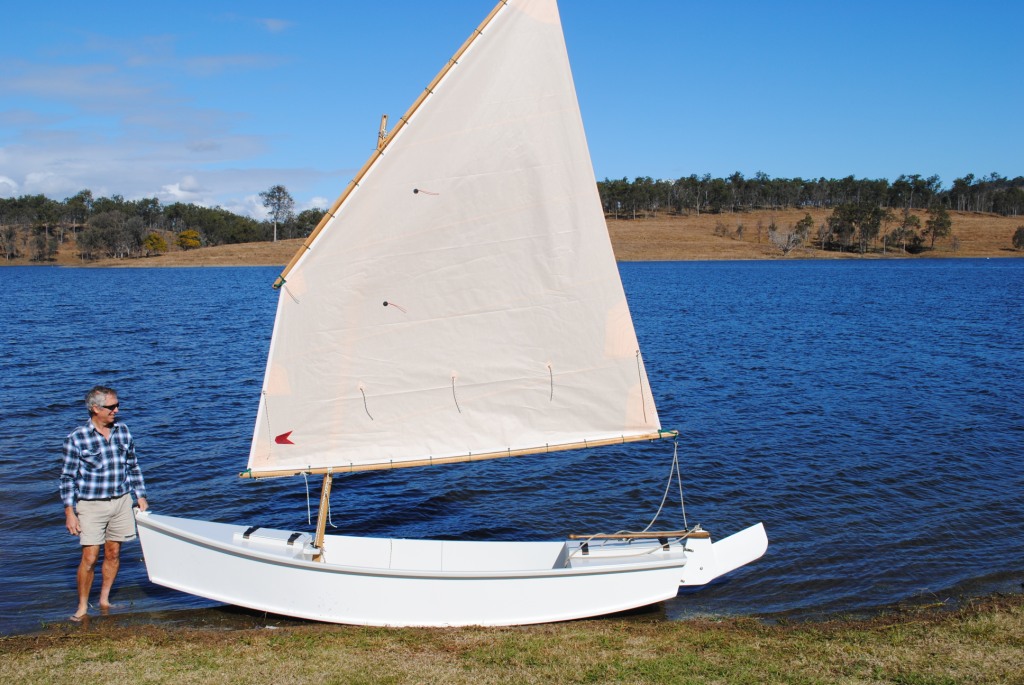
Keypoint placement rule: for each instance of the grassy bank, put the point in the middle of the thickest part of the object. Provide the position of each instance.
(980, 642)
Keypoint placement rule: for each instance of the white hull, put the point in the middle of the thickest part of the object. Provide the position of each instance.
(397, 582)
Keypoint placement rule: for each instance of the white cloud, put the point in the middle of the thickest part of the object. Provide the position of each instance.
(115, 128)
(185, 190)
(210, 65)
(8, 187)
(275, 25)
(318, 202)
(98, 85)
(269, 24)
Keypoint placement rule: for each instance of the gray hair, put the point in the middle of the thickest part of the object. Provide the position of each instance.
(98, 395)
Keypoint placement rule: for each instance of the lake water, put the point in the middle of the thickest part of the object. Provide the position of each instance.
(871, 413)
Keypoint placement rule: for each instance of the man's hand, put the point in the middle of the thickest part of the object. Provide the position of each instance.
(143, 504)
(74, 527)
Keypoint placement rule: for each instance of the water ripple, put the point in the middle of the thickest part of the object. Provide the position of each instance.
(868, 412)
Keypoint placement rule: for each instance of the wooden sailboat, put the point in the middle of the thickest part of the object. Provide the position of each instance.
(460, 301)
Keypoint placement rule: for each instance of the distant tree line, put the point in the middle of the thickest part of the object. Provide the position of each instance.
(36, 226)
(855, 228)
(864, 213)
(699, 194)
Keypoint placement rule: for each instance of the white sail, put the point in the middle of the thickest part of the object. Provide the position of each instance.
(505, 331)
(505, 327)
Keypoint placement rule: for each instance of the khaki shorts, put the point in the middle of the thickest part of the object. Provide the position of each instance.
(106, 520)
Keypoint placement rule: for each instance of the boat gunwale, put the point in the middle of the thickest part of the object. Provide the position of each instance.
(144, 520)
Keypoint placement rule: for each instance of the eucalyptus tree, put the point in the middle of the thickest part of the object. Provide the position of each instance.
(1018, 238)
(148, 209)
(307, 220)
(9, 241)
(279, 202)
(77, 208)
(906, 231)
(862, 220)
(939, 224)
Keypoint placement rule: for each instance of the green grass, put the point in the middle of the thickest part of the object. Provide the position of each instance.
(980, 642)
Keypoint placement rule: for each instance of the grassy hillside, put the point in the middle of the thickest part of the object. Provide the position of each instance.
(661, 237)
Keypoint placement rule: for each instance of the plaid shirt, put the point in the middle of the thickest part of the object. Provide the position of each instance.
(94, 468)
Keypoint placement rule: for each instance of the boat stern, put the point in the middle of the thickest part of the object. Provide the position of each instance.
(707, 560)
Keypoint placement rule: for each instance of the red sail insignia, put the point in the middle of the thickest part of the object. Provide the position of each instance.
(282, 439)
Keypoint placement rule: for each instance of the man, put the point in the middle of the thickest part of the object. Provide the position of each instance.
(99, 473)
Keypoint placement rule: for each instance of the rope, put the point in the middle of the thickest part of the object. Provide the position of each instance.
(329, 513)
(365, 407)
(454, 397)
(551, 374)
(679, 480)
(309, 512)
(266, 413)
(673, 473)
(288, 290)
(640, 375)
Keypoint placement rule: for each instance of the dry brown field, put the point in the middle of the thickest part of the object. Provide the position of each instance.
(690, 237)
(653, 238)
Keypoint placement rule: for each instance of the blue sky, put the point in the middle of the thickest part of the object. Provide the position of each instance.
(212, 102)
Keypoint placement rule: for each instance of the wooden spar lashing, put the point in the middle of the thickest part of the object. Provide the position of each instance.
(321, 518)
(382, 135)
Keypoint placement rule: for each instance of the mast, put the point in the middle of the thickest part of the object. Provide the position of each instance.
(321, 518)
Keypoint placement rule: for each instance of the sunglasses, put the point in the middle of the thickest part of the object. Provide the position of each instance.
(111, 407)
